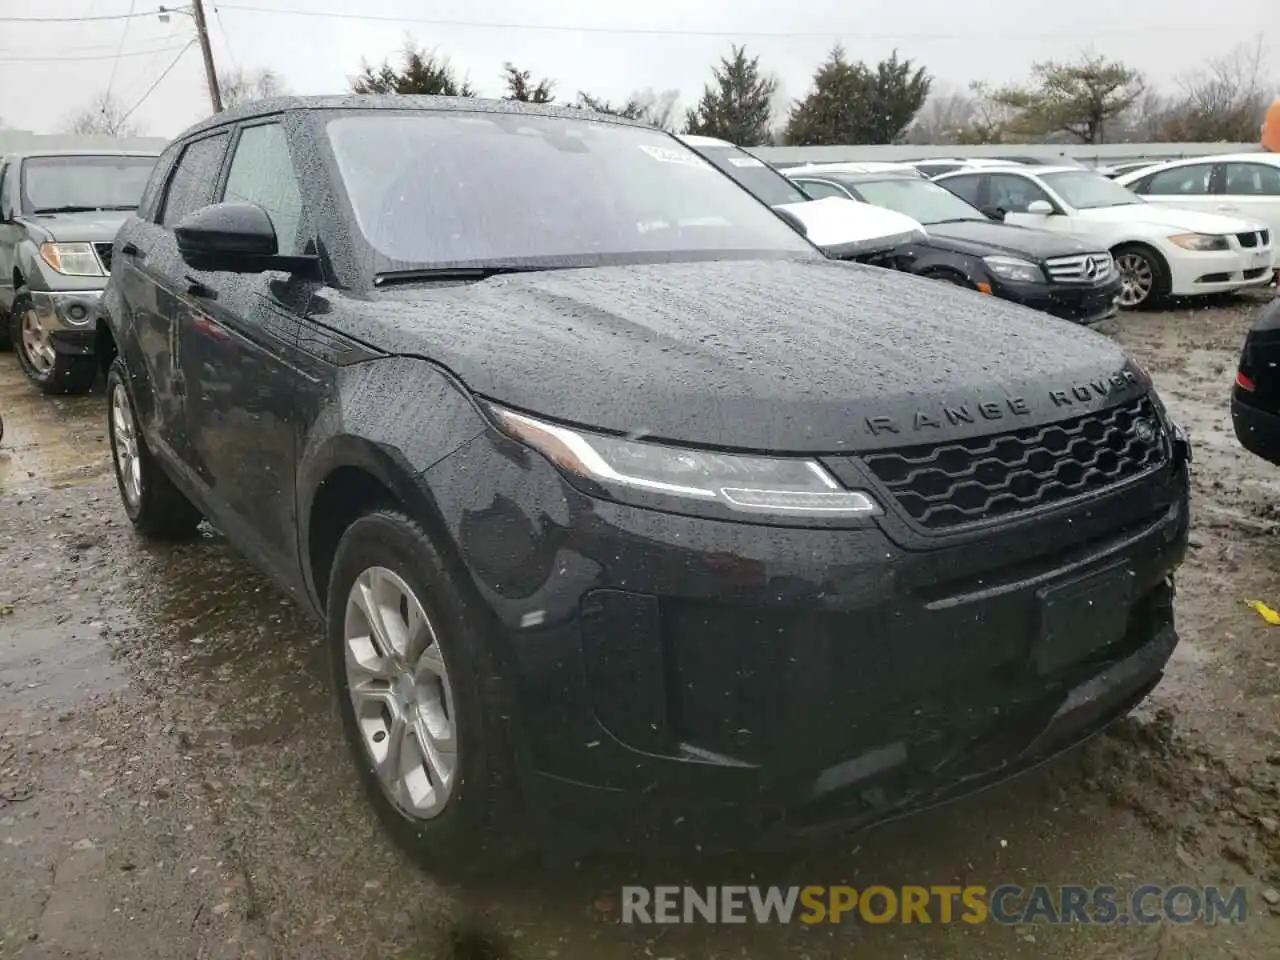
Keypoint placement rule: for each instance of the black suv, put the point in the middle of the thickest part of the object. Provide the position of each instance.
(1255, 396)
(627, 512)
(1037, 268)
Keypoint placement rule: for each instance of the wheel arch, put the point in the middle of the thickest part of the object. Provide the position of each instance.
(347, 478)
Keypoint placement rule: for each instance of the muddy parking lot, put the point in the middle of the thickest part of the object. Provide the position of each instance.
(173, 783)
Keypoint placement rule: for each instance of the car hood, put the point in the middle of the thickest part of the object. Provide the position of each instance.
(96, 226)
(781, 355)
(983, 238)
(1159, 215)
(843, 229)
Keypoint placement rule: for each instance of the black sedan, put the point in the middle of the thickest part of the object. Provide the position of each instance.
(1255, 397)
(1036, 268)
(626, 512)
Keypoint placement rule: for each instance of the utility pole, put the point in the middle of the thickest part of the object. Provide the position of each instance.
(211, 75)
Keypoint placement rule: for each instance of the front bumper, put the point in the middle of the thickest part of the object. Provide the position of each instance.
(68, 317)
(668, 673)
(1218, 272)
(1085, 304)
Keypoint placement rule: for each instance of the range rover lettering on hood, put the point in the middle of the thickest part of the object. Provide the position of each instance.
(1076, 394)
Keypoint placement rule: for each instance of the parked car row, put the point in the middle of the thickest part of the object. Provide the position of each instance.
(629, 515)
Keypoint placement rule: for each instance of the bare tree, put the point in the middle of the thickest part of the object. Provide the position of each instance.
(244, 86)
(661, 110)
(944, 118)
(104, 115)
(1223, 101)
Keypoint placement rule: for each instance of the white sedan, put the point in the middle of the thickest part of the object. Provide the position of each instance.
(1238, 184)
(1159, 250)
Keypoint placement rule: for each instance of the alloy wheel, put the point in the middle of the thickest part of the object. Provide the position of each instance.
(1137, 278)
(36, 344)
(124, 446)
(400, 693)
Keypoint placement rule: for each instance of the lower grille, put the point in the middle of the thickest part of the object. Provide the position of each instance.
(1085, 268)
(104, 254)
(968, 481)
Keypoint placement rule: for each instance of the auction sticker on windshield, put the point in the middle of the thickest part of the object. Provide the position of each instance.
(667, 155)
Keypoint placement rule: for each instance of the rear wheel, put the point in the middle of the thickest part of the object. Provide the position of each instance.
(1144, 278)
(419, 708)
(44, 366)
(155, 507)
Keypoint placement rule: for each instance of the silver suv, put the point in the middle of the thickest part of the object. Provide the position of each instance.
(59, 212)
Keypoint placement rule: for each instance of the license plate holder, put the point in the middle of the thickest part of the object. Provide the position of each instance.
(1261, 259)
(1080, 617)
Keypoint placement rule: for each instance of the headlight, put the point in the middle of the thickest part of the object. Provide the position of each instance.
(72, 259)
(1199, 241)
(779, 486)
(1011, 268)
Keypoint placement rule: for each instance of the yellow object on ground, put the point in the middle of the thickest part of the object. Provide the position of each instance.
(1265, 612)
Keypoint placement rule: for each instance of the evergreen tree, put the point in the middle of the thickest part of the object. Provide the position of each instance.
(737, 104)
(853, 104)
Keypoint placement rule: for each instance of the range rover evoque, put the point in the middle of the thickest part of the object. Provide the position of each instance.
(628, 514)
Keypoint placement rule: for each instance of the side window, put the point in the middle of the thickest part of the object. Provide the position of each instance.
(192, 183)
(1013, 194)
(966, 188)
(4, 175)
(820, 191)
(150, 199)
(1253, 180)
(1189, 181)
(262, 173)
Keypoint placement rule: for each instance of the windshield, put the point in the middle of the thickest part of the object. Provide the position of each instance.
(1086, 190)
(755, 175)
(53, 184)
(919, 199)
(429, 189)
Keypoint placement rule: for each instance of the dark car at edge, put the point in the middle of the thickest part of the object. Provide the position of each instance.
(1039, 269)
(629, 516)
(1255, 396)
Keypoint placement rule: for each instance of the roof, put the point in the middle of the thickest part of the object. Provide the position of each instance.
(846, 176)
(1271, 158)
(24, 154)
(1014, 169)
(262, 108)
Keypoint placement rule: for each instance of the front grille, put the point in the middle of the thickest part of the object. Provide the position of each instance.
(104, 254)
(966, 481)
(1247, 239)
(1085, 268)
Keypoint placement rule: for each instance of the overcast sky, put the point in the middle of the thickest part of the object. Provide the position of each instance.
(49, 70)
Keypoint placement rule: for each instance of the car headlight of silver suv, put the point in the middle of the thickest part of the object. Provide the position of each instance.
(1011, 268)
(777, 486)
(72, 259)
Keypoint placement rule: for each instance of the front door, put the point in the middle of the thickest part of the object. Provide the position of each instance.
(238, 337)
(1251, 190)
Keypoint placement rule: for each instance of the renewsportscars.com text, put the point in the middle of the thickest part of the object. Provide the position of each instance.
(1005, 904)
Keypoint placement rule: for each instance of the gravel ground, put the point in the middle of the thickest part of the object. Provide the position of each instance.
(173, 783)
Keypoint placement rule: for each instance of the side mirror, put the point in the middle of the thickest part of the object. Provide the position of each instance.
(793, 221)
(993, 213)
(235, 238)
(1040, 208)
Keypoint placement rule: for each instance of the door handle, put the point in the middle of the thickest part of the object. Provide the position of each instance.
(197, 289)
(130, 249)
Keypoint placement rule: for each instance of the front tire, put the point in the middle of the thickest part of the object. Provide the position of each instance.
(155, 507)
(1144, 277)
(409, 654)
(50, 371)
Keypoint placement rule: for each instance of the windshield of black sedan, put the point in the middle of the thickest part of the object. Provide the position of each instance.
(754, 175)
(1086, 190)
(54, 184)
(920, 200)
(452, 187)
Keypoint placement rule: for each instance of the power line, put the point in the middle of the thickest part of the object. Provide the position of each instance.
(124, 35)
(141, 100)
(730, 34)
(226, 38)
(97, 18)
(105, 56)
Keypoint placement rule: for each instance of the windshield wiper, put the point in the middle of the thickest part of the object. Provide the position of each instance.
(449, 273)
(954, 220)
(69, 208)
